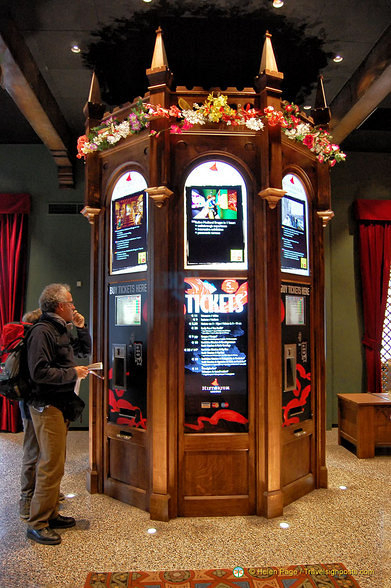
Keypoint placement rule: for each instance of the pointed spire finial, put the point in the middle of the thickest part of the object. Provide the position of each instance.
(268, 61)
(159, 58)
(321, 112)
(94, 108)
(94, 93)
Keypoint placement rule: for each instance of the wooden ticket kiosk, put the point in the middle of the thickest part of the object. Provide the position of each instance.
(207, 297)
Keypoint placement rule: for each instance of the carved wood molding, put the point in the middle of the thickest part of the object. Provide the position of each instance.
(272, 195)
(325, 215)
(159, 195)
(90, 213)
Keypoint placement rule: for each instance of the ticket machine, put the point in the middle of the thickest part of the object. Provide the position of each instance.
(207, 303)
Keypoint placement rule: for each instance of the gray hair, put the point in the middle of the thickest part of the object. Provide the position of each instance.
(52, 296)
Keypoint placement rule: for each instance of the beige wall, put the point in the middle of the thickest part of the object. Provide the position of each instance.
(363, 175)
(59, 245)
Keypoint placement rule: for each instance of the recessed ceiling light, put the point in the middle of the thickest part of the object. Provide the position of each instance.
(147, 0)
(278, 3)
(75, 49)
(338, 59)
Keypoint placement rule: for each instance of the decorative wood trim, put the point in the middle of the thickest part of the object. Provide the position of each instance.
(272, 195)
(274, 504)
(159, 507)
(90, 213)
(159, 195)
(325, 215)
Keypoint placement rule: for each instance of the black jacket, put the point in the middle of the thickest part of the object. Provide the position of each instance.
(51, 354)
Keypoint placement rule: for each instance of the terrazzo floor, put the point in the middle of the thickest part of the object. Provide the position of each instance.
(351, 526)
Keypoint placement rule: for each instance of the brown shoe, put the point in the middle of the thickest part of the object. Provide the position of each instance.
(24, 508)
(46, 536)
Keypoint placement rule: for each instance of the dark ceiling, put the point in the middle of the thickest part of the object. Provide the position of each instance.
(42, 78)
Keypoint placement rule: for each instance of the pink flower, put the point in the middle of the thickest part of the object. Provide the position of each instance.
(174, 129)
(186, 125)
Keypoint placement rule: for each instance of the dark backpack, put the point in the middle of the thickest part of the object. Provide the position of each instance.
(15, 381)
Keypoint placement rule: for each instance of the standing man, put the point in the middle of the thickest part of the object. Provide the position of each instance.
(53, 404)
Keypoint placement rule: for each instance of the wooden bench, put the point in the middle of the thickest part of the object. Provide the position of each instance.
(365, 421)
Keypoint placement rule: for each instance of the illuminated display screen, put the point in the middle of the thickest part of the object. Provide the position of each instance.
(128, 310)
(129, 233)
(215, 355)
(295, 314)
(214, 220)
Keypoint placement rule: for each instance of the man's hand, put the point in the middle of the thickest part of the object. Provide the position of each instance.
(82, 371)
(78, 319)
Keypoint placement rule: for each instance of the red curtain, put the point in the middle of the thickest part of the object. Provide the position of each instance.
(14, 209)
(374, 218)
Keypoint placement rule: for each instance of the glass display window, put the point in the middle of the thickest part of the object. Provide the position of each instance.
(294, 227)
(128, 239)
(215, 217)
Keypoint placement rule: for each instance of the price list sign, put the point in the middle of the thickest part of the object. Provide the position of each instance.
(216, 355)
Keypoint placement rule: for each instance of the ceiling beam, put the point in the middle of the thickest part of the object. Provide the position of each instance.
(368, 86)
(21, 78)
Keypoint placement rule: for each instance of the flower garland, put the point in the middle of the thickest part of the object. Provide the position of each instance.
(214, 110)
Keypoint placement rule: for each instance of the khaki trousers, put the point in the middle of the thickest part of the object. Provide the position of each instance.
(29, 460)
(51, 432)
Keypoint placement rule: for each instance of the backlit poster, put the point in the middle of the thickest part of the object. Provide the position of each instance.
(296, 353)
(129, 233)
(215, 355)
(294, 256)
(294, 227)
(214, 221)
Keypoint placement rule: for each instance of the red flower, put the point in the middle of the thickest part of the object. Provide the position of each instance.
(309, 141)
(80, 144)
(174, 111)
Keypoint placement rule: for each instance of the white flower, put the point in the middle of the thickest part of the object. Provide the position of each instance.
(255, 124)
(291, 133)
(303, 129)
(112, 139)
(194, 117)
(123, 129)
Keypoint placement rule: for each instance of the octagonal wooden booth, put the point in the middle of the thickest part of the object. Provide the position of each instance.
(207, 298)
